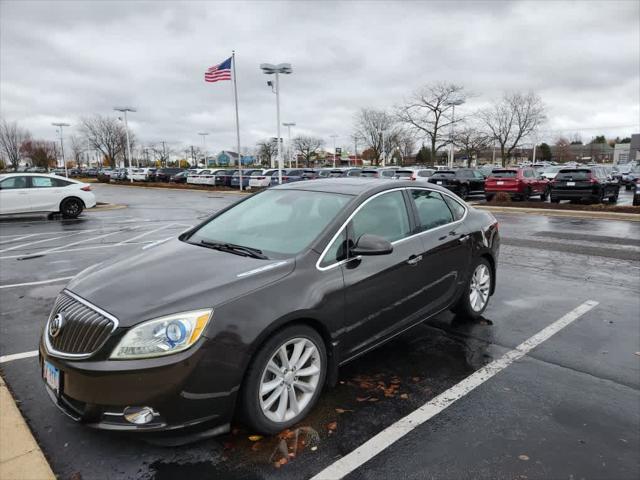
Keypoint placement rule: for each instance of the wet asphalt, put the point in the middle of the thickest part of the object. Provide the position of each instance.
(569, 409)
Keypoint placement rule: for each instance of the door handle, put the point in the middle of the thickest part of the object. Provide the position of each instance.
(414, 259)
(463, 238)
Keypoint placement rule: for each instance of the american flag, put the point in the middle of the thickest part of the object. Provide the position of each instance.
(219, 72)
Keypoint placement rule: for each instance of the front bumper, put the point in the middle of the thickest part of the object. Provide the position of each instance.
(180, 389)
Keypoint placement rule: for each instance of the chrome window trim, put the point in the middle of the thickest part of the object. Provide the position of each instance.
(343, 226)
(78, 356)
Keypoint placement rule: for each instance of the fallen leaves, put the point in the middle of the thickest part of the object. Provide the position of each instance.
(523, 457)
(332, 427)
(255, 438)
(342, 410)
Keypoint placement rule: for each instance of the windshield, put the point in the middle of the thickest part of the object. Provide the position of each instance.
(574, 174)
(277, 222)
(404, 173)
(445, 173)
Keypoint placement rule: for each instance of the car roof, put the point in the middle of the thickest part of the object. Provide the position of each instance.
(352, 185)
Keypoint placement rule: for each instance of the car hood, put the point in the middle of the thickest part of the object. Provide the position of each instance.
(173, 277)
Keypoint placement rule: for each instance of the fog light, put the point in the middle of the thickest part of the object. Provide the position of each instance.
(138, 415)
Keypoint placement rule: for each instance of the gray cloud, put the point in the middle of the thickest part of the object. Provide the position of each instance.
(64, 60)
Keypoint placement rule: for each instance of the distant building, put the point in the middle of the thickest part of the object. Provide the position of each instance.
(634, 149)
(621, 153)
(227, 158)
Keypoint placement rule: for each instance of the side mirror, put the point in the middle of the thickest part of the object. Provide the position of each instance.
(369, 244)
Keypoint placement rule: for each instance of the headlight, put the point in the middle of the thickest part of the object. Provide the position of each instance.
(163, 336)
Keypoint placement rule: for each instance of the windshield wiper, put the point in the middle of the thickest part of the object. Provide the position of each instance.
(237, 249)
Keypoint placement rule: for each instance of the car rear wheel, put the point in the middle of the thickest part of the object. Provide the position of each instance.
(527, 194)
(545, 194)
(71, 208)
(464, 192)
(284, 380)
(475, 298)
(614, 198)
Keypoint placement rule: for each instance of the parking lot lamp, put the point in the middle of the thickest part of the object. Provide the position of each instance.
(289, 125)
(334, 136)
(204, 148)
(126, 130)
(452, 104)
(60, 125)
(270, 69)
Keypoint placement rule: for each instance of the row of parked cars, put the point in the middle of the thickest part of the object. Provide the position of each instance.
(556, 183)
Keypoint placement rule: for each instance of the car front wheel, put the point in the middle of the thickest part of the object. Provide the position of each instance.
(71, 208)
(475, 298)
(284, 380)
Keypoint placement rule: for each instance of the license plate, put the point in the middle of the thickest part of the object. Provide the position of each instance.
(51, 376)
(500, 183)
(439, 183)
(571, 184)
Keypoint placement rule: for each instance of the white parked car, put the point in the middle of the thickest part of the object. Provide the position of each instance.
(261, 179)
(141, 174)
(413, 173)
(194, 176)
(41, 193)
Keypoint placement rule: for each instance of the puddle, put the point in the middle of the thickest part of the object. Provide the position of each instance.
(45, 291)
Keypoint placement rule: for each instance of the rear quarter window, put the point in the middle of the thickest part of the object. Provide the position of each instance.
(504, 174)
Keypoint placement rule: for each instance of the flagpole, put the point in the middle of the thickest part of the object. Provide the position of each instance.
(235, 94)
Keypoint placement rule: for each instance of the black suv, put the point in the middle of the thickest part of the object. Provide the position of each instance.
(165, 174)
(463, 181)
(584, 183)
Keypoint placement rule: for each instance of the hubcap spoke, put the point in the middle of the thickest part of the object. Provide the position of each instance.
(282, 405)
(272, 398)
(282, 354)
(273, 368)
(297, 351)
(311, 370)
(305, 387)
(305, 357)
(479, 288)
(293, 401)
(270, 386)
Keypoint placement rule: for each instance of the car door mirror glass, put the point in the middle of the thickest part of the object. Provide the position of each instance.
(369, 244)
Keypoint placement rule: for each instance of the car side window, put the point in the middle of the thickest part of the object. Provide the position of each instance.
(457, 209)
(12, 183)
(478, 174)
(386, 216)
(432, 209)
(42, 182)
(337, 251)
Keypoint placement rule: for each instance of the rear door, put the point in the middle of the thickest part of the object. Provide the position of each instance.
(14, 195)
(446, 247)
(382, 293)
(46, 193)
(477, 181)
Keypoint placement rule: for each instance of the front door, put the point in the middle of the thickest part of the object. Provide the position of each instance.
(14, 196)
(45, 194)
(381, 291)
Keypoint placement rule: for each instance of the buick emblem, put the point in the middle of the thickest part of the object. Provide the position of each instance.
(56, 325)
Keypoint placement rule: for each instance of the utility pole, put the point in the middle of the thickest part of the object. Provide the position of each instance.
(126, 129)
(64, 163)
(334, 136)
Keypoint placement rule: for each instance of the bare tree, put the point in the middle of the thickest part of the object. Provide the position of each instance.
(41, 152)
(267, 150)
(105, 134)
(307, 147)
(378, 129)
(78, 148)
(563, 151)
(162, 152)
(428, 112)
(512, 119)
(471, 141)
(12, 137)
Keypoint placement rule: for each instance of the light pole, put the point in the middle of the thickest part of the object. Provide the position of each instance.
(289, 125)
(270, 69)
(334, 136)
(204, 148)
(64, 163)
(452, 103)
(126, 129)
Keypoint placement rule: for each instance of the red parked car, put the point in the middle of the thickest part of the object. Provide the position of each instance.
(520, 183)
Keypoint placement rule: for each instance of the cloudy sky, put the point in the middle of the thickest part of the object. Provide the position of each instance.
(60, 61)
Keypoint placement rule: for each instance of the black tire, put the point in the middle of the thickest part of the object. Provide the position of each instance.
(555, 200)
(544, 195)
(489, 197)
(71, 207)
(464, 192)
(463, 306)
(527, 195)
(627, 187)
(251, 410)
(614, 198)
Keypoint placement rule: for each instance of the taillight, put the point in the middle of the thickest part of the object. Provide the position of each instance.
(285, 178)
(86, 188)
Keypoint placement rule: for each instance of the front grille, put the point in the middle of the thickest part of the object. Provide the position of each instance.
(84, 329)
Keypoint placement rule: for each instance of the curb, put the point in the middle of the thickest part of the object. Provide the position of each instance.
(222, 192)
(631, 217)
(20, 455)
(105, 207)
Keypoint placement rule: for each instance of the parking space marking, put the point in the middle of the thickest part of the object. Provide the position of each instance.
(39, 282)
(18, 356)
(17, 239)
(402, 427)
(44, 240)
(144, 234)
(64, 248)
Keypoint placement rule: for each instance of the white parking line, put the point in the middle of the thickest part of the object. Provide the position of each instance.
(17, 239)
(18, 356)
(44, 240)
(396, 431)
(39, 282)
(145, 233)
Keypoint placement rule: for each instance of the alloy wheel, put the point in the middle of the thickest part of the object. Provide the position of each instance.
(290, 379)
(480, 286)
